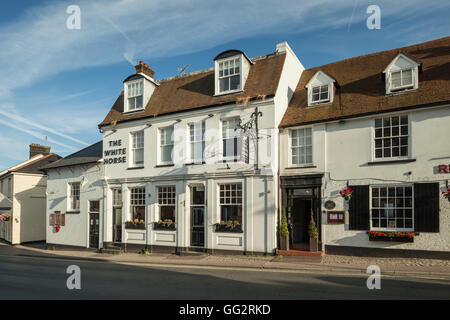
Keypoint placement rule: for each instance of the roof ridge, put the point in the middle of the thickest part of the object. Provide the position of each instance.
(193, 73)
(378, 52)
(44, 156)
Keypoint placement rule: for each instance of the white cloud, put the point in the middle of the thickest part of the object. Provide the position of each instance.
(39, 44)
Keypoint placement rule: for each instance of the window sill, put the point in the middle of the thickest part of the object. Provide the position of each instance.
(194, 163)
(228, 92)
(135, 168)
(397, 161)
(301, 167)
(134, 111)
(164, 165)
(73, 211)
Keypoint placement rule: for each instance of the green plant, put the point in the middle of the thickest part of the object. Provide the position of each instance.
(284, 231)
(313, 233)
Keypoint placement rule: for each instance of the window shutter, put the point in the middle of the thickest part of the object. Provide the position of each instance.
(426, 207)
(62, 219)
(359, 208)
(52, 219)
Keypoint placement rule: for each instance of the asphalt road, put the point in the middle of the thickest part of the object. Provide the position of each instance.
(25, 277)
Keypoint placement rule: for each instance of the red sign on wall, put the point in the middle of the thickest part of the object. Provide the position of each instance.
(336, 216)
(443, 168)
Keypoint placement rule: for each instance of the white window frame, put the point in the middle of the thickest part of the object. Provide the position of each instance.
(320, 86)
(135, 96)
(134, 148)
(195, 125)
(290, 155)
(71, 195)
(218, 77)
(219, 198)
(142, 204)
(233, 158)
(388, 228)
(159, 205)
(402, 87)
(160, 146)
(399, 157)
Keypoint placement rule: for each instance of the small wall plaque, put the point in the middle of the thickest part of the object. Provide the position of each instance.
(336, 216)
(330, 205)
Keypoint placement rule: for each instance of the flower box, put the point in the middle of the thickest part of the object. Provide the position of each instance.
(164, 226)
(446, 194)
(223, 227)
(391, 236)
(134, 225)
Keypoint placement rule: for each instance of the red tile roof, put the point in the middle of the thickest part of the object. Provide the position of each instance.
(196, 90)
(362, 88)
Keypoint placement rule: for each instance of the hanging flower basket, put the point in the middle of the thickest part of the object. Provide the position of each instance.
(5, 217)
(391, 236)
(446, 194)
(346, 193)
(57, 228)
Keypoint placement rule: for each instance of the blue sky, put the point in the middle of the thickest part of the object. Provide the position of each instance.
(57, 84)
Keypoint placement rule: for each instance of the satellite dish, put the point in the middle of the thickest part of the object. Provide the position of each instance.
(182, 70)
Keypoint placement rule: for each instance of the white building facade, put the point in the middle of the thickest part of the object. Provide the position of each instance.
(379, 125)
(191, 162)
(75, 200)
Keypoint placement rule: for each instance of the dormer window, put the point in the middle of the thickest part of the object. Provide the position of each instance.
(320, 89)
(231, 70)
(135, 95)
(320, 94)
(402, 74)
(229, 75)
(402, 79)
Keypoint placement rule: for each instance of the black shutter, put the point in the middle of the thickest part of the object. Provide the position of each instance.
(359, 214)
(426, 207)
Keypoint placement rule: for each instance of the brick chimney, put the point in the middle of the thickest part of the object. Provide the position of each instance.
(36, 149)
(145, 69)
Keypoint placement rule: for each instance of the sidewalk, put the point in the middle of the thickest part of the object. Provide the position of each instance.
(325, 264)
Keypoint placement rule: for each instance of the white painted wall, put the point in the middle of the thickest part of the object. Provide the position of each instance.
(342, 151)
(76, 229)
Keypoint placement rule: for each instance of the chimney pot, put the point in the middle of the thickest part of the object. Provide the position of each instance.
(145, 69)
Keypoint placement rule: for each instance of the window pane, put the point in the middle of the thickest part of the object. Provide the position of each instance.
(234, 82)
(224, 84)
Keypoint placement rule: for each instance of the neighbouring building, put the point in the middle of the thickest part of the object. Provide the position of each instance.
(191, 162)
(23, 199)
(378, 124)
(75, 199)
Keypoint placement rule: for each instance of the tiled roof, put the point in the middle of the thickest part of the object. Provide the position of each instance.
(196, 90)
(90, 154)
(33, 166)
(361, 84)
